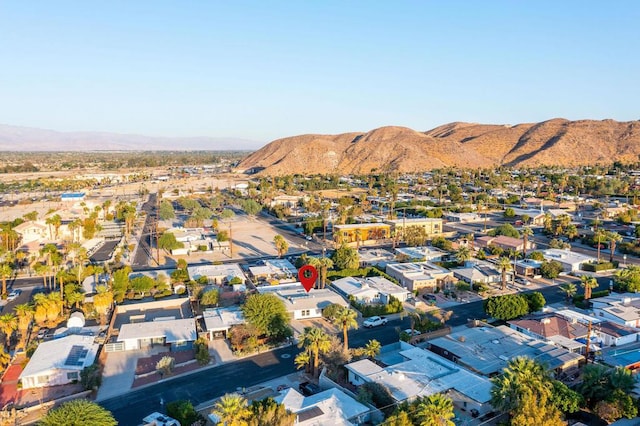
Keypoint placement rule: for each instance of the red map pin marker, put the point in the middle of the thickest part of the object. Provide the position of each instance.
(308, 276)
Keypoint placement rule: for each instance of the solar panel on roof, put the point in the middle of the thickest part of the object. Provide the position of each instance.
(309, 414)
(76, 356)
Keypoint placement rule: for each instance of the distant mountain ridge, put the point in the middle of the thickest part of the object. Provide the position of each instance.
(470, 145)
(16, 138)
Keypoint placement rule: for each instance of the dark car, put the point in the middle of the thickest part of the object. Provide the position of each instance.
(429, 297)
(308, 388)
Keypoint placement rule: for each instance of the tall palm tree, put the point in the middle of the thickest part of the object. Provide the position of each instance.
(614, 238)
(436, 410)
(41, 305)
(526, 233)
(56, 221)
(504, 264)
(372, 348)
(8, 324)
(24, 312)
(102, 301)
(599, 236)
(5, 358)
(322, 264)
(231, 410)
(463, 254)
(588, 283)
(315, 341)
(6, 271)
(346, 319)
(569, 289)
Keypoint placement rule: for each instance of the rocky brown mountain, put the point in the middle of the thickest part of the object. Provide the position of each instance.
(553, 142)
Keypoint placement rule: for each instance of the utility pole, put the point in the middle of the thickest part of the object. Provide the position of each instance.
(230, 242)
(586, 355)
(157, 218)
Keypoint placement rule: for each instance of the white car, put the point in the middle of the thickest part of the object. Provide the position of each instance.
(14, 295)
(374, 322)
(415, 332)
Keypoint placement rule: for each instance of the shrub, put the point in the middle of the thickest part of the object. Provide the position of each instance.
(393, 307)
(596, 267)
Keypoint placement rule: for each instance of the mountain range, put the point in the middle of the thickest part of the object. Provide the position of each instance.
(469, 145)
(16, 138)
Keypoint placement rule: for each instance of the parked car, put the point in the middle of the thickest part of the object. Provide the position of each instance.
(430, 297)
(522, 281)
(14, 294)
(374, 322)
(42, 332)
(410, 333)
(308, 388)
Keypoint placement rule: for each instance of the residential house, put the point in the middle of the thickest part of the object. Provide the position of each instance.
(178, 334)
(528, 268)
(423, 253)
(301, 304)
(376, 257)
(609, 333)
(419, 373)
(487, 350)
(32, 231)
(218, 321)
(463, 217)
(536, 217)
(370, 289)
(619, 308)
(274, 269)
(59, 361)
(504, 242)
(329, 407)
(570, 261)
(419, 275)
(478, 272)
(553, 328)
(218, 274)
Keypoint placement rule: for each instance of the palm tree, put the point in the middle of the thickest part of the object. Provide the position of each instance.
(281, 245)
(6, 271)
(358, 233)
(231, 410)
(504, 264)
(526, 233)
(41, 305)
(599, 236)
(5, 358)
(463, 254)
(436, 410)
(569, 289)
(442, 315)
(315, 341)
(614, 238)
(24, 312)
(8, 324)
(56, 221)
(415, 317)
(588, 283)
(346, 319)
(303, 359)
(371, 349)
(322, 264)
(102, 301)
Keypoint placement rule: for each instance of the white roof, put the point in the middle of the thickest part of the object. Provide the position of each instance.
(274, 267)
(424, 374)
(295, 297)
(427, 253)
(73, 352)
(228, 271)
(222, 318)
(417, 268)
(367, 287)
(329, 407)
(174, 330)
(567, 256)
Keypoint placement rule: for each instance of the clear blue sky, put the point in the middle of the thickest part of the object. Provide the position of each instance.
(266, 69)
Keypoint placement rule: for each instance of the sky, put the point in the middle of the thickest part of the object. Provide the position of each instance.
(263, 70)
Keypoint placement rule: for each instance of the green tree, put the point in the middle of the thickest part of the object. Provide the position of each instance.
(227, 214)
(315, 341)
(463, 254)
(282, 246)
(569, 290)
(346, 257)
(79, 412)
(24, 312)
(166, 210)
(509, 212)
(567, 400)
(345, 319)
(165, 365)
(142, 284)
(184, 412)
(614, 238)
(102, 302)
(506, 307)
(6, 271)
(535, 300)
(414, 235)
(267, 412)
(210, 297)
(628, 279)
(168, 242)
(551, 269)
(526, 233)
(507, 230)
(436, 409)
(91, 377)
(231, 410)
(399, 418)
(267, 313)
(524, 390)
(202, 351)
(371, 349)
(251, 207)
